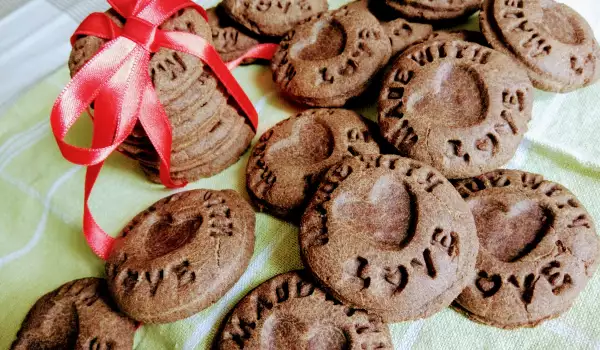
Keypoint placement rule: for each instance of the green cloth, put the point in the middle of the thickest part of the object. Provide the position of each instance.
(41, 199)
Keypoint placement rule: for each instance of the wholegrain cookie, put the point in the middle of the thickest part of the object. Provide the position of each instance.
(290, 311)
(390, 235)
(551, 40)
(287, 162)
(332, 58)
(229, 39)
(272, 18)
(434, 10)
(181, 255)
(538, 249)
(458, 106)
(78, 315)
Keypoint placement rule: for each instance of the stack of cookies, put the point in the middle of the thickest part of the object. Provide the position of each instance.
(209, 132)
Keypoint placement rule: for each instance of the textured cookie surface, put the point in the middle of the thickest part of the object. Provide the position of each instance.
(272, 18)
(390, 235)
(181, 255)
(458, 106)
(550, 39)
(78, 315)
(290, 312)
(332, 58)
(229, 39)
(434, 10)
(288, 161)
(538, 249)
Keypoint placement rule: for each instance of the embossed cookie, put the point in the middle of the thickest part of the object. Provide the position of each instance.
(290, 312)
(78, 315)
(401, 32)
(272, 18)
(229, 39)
(389, 235)
(331, 59)
(538, 249)
(458, 106)
(289, 159)
(181, 255)
(434, 10)
(553, 42)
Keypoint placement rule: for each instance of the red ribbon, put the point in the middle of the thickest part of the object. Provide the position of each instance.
(117, 79)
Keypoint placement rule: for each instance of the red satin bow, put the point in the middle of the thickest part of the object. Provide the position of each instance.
(117, 79)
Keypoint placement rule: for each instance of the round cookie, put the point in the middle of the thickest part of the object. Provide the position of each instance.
(458, 106)
(434, 10)
(290, 312)
(538, 249)
(332, 58)
(229, 40)
(289, 159)
(553, 42)
(272, 18)
(181, 255)
(77, 315)
(389, 235)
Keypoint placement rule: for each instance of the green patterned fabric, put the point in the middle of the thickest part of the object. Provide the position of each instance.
(41, 199)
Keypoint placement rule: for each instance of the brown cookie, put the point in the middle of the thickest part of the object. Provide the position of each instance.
(390, 235)
(290, 312)
(553, 42)
(458, 106)
(78, 315)
(401, 32)
(229, 39)
(434, 10)
(272, 18)
(332, 58)
(289, 159)
(181, 255)
(538, 249)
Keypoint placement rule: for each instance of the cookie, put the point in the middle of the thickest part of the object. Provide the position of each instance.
(538, 249)
(401, 32)
(458, 106)
(78, 315)
(434, 10)
(332, 58)
(181, 255)
(389, 235)
(272, 18)
(290, 311)
(289, 159)
(553, 42)
(229, 39)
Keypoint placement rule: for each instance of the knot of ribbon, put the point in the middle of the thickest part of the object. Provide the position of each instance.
(116, 79)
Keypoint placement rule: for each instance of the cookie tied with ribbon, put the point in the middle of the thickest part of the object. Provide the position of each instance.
(122, 71)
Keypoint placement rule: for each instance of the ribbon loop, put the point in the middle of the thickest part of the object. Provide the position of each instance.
(141, 32)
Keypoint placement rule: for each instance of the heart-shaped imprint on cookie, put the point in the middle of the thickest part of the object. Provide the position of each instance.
(386, 213)
(328, 40)
(510, 228)
(289, 158)
(289, 332)
(171, 233)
